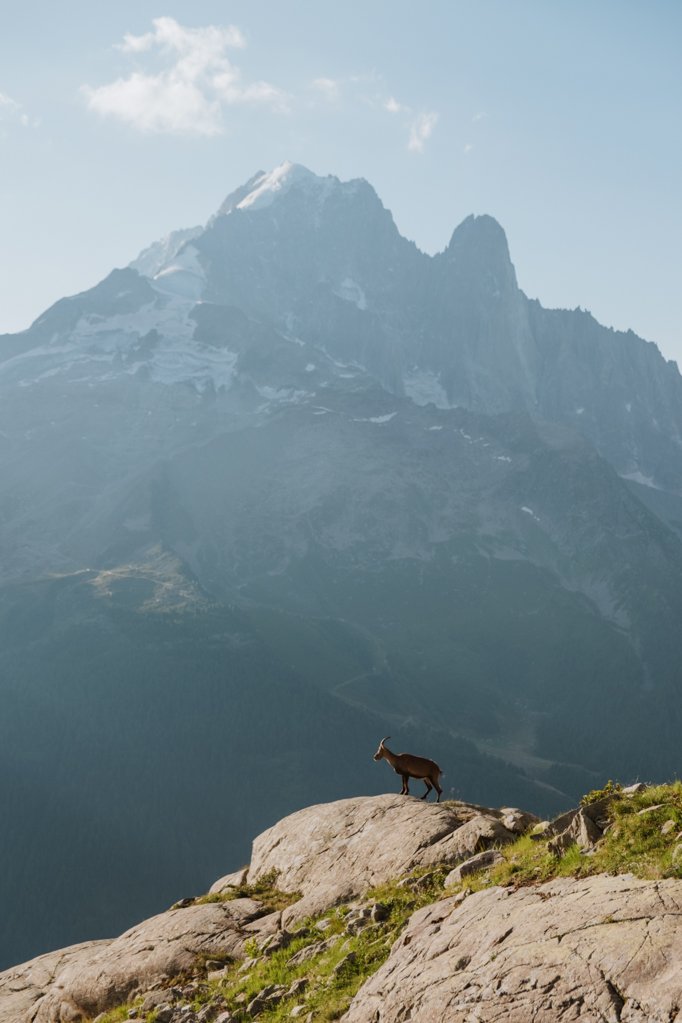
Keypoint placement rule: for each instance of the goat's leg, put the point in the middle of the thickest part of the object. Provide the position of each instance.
(438, 789)
(405, 791)
(429, 786)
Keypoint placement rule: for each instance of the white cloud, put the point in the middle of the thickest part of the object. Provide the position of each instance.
(189, 92)
(421, 130)
(480, 116)
(330, 88)
(468, 148)
(10, 110)
(393, 106)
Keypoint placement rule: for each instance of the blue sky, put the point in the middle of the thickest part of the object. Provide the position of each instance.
(119, 123)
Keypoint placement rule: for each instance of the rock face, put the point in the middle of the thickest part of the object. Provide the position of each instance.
(599, 949)
(334, 852)
(330, 853)
(82, 981)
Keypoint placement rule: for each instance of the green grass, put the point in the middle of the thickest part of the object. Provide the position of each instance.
(329, 990)
(264, 891)
(121, 1013)
(632, 844)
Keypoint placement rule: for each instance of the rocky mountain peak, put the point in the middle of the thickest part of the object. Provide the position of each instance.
(478, 248)
(266, 187)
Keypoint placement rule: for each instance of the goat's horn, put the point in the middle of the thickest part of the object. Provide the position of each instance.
(384, 739)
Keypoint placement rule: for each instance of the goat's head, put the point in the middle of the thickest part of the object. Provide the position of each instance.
(380, 752)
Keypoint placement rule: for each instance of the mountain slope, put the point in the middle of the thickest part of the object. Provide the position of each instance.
(301, 486)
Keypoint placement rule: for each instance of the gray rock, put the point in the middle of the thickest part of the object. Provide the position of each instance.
(214, 975)
(154, 999)
(274, 942)
(632, 790)
(336, 851)
(88, 979)
(310, 951)
(601, 948)
(23, 987)
(358, 920)
(234, 880)
(517, 821)
(298, 987)
(484, 859)
(581, 831)
(669, 826)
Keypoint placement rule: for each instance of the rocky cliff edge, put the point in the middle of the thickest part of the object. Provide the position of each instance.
(386, 909)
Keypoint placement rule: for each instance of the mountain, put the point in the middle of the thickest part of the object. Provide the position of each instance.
(286, 484)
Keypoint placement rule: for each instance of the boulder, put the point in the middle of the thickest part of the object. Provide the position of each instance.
(518, 821)
(583, 826)
(80, 982)
(21, 987)
(335, 852)
(582, 831)
(599, 948)
(234, 880)
(478, 862)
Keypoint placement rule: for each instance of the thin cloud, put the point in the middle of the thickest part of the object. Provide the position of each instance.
(393, 106)
(480, 116)
(421, 130)
(328, 88)
(196, 82)
(468, 148)
(11, 111)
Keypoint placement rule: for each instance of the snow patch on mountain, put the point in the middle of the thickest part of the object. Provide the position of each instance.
(350, 291)
(183, 277)
(157, 338)
(279, 181)
(158, 254)
(200, 366)
(123, 330)
(639, 477)
(377, 419)
(283, 395)
(424, 388)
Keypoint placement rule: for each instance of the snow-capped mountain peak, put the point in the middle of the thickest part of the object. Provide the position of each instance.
(265, 187)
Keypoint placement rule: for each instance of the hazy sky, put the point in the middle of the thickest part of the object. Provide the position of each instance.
(120, 122)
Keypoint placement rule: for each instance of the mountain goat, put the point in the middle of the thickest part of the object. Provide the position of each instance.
(409, 766)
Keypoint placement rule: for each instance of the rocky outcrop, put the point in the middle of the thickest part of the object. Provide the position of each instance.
(598, 949)
(329, 853)
(335, 852)
(23, 987)
(80, 982)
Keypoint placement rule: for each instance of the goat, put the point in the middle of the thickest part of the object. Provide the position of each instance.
(409, 766)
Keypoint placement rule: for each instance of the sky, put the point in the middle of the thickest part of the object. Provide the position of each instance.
(561, 118)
